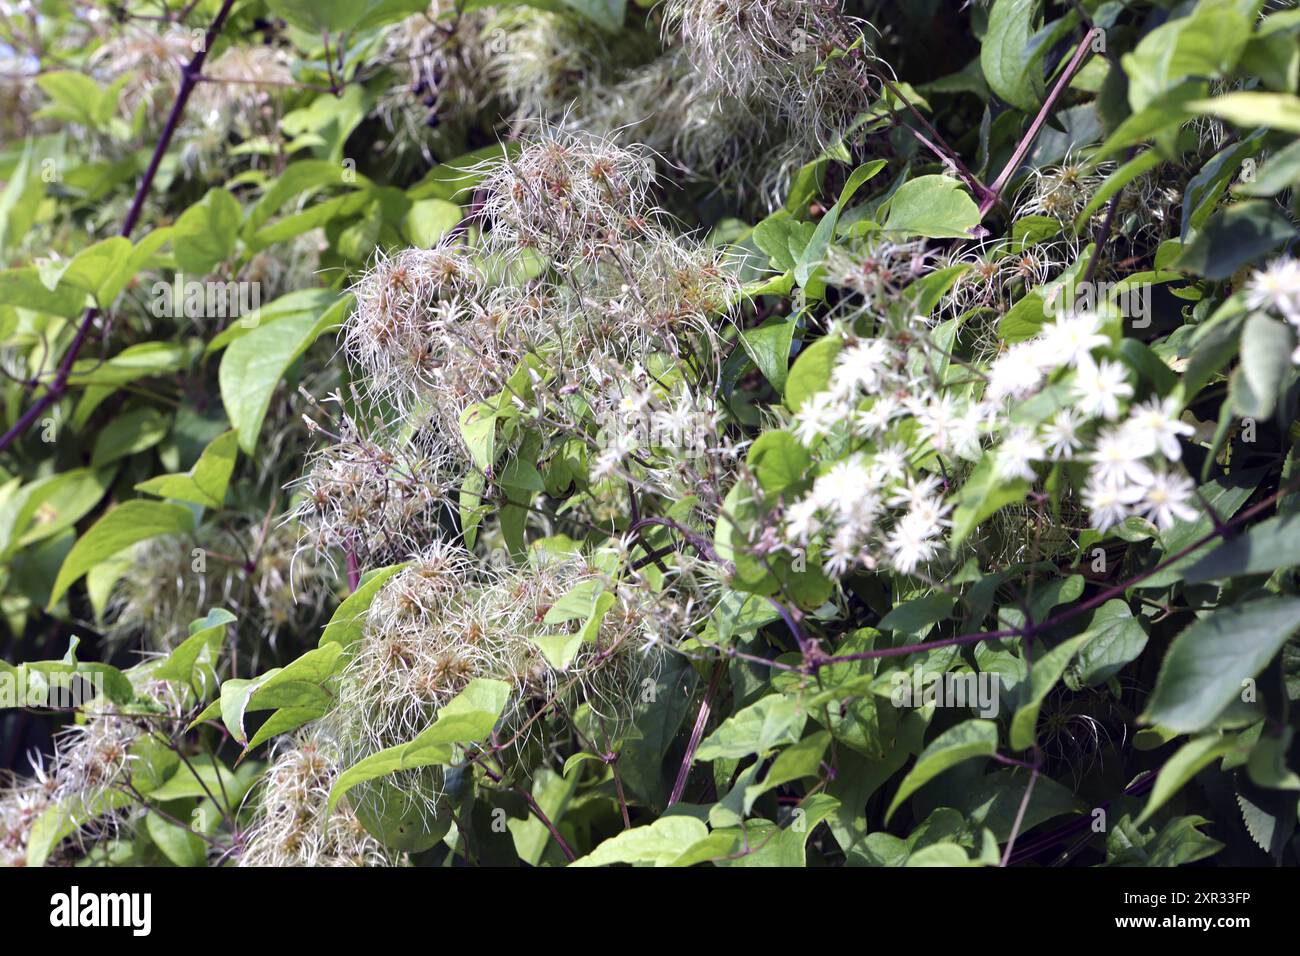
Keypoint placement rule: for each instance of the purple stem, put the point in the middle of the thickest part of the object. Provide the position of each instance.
(1084, 51)
(1072, 612)
(189, 79)
(697, 732)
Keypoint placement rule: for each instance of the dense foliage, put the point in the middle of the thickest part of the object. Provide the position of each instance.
(742, 432)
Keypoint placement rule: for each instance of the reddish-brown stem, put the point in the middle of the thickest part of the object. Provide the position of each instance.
(546, 822)
(697, 732)
(1074, 611)
(1084, 51)
(190, 74)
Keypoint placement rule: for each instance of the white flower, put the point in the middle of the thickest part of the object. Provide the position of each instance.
(842, 551)
(1157, 422)
(1099, 387)
(862, 515)
(931, 514)
(861, 366)
(1017, 453)
(1061, 435)
(869, 421)
(633, 403)
(938, 420)
(1276, 287)
(801, 521)
(1016, 373)
(1071, 338)
(843, 486)
(1165, 498)
(816, 417)
(611, 457)
(1117, 457)
(915, 492)
(1109, 502)
(890, 464)
(911, 543)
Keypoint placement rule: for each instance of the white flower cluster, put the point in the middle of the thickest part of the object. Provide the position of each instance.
(439, 623)
(874, 501)
(255, 576)
(887, 413)
(1128, 459)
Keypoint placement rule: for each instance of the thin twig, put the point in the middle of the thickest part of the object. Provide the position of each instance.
(1084, 51)
(189, 79)
(697, 732)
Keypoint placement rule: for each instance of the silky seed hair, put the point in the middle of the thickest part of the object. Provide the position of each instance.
(291, 826)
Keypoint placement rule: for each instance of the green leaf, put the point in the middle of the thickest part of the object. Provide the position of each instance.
(1208, 662)
(133, 362)
(120, 528)
(297, 304)
(97, 267)
(317, 16)
(190, 780)
(969, 739)
(50, 505)
(478, 429)
(428, 220)
(348, 624)
(983, 494)
(783, 239)
(918, 615)
(1190, 759)
(132, 432)
(795, 762)
(466, 718)
(299, 684)
(253, 365)
(1234, 236)
(812, 371)
(1266, 547)
(769, 346)
(24, 288)
(815, 251)
(1248, 110)
(202, 647)
(1204, 44)
(933, 206)
(1281, 170)
(205, 233)
(760, 728)
(779, 461)
(1266, 347)
(183, 847)
(1047, 670)
(61, 820)
(204, 484)
(1006, 56)
(75, 97)
(1117, 638)
(658, 844)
